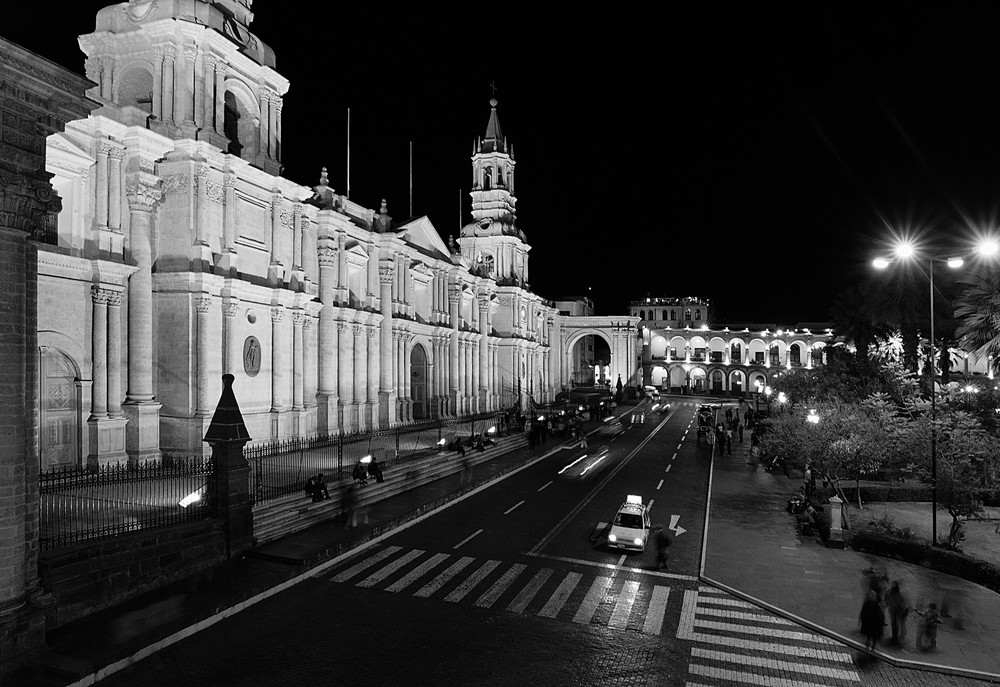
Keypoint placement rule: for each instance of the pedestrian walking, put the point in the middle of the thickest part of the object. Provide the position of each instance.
(348, 500)
(729, 442)
(807, 480)
(662, 544)
(740, 430)
(466, 470)
(927, 628)
(583, 438)
(872, 620)
(899, 609)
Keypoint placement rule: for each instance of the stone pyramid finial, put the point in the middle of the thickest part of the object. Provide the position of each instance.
(227, 423)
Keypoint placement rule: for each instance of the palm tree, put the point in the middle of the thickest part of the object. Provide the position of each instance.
(856, 315)
(978, 308)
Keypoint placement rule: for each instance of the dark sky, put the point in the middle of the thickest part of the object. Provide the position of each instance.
(752, 154)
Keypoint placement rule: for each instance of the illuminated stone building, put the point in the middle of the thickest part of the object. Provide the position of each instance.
(181, 254)
(685, 351)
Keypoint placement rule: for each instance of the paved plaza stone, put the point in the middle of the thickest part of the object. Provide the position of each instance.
(754, 549)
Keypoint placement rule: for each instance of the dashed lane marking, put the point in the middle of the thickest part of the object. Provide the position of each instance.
(508, 511)
(477, 532)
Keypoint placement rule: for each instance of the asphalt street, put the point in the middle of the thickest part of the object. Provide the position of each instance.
(515, 584)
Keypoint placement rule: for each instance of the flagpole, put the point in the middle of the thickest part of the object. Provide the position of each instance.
(348, 196)
(411, 178)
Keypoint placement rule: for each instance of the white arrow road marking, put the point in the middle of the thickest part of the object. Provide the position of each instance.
(675, 527)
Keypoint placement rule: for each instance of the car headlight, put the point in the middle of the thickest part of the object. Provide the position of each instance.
(638, 542)
(612, 538)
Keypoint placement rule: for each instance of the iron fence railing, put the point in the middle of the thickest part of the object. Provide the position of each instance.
(83, 502)
(280, 468)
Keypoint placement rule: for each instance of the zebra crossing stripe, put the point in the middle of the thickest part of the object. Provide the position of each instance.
(418, 572)
(443, 578)
(773, 664)
(500, 586)
(559, 597)
(623, 607)
(528, 593)
(776, 634)
(367, 563)
(751, 617)
(459, 592)
(749, 678)
(595, 594)
(685, 628)
(657, 609)
(771, 647)
(383, 573)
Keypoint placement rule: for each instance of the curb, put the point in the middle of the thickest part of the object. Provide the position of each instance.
(819, 629)
(379, 532)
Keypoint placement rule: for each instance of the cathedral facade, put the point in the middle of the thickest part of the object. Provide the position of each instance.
(181, 254)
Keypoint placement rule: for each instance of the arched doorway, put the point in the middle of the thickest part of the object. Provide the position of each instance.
(59, 421)
(418, 382)
(718, 385)
(698, 381)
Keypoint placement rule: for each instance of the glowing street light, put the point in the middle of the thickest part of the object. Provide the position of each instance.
(812, 416)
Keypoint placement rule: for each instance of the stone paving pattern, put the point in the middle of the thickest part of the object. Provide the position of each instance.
(754, 548)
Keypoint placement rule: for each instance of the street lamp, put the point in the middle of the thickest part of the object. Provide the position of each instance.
(906, 251)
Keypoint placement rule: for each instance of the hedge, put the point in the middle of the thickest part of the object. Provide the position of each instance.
(920, 552)
(903, 492)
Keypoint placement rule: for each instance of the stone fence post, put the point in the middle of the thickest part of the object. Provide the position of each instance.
(231, 475)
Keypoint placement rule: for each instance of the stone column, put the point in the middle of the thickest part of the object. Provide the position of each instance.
(345, 350)
(199, 89)
(231, 353)
(463, 386)
(227, 263)
(360, 369)
(298, 361)
(397, 374)
(327, 416)
(277, 131)
(208, 67)
(387, 395)
(202, 304)
(454, 298)
(408, 392)
(142, 437)
(262, 126)
(372, 333)
(114, 200)
(484, 328)
(272, 142)
(185, 90)
(220, 97)
(115, 354)
(167, 90)
(279, 371)
(101, 179)
(99, 348)
(309, 335)
(202, 251)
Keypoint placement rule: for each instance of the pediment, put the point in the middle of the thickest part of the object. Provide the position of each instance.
(421, 234)
(355, 252)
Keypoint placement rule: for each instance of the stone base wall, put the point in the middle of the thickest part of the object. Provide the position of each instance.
(94, 575)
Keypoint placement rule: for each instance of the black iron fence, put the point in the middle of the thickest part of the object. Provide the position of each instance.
(83, 502)
(282, 467)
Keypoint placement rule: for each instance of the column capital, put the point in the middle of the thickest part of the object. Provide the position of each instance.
(327, 256)
(359, 329)
(99, 295)
(142, 192)
(308, 321)
(277, 314)
(484, 301)
(231, 307)
(115, 298)
(297, 318)
(454, 293)
(373, 331)
(116, 153)
(168, 51)
(202, 303)
(386, 270)
(104, 147)
(342, 327)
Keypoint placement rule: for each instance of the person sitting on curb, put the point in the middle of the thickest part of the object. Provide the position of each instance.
(456, 445)
(320, 491)
(375, 471)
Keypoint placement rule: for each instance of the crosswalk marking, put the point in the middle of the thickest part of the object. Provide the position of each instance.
(776, 634)
(528, 593)
(751, 645)
(418, 572)
(752, 617)
(719, 601)
(459, 592)
(558, 599)
(383, 573)
(772, 664)
(365, 564)
(623, 607)
(657, 609)
(585, 613)
(443, 578)
(500, 586)
(743, 678)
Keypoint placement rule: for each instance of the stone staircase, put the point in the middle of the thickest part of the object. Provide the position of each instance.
(295, 512)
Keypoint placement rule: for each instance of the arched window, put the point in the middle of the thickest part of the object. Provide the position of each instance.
(687, 314)
(664, 314)
(642, 314)
(673, 314)
(135, 87)
(487, 178)
(231, 124)
(697, 314)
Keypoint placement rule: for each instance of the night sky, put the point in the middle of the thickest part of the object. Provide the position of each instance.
(754, 155)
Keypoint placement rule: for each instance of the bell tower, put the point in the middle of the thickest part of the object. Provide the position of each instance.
(493, 175)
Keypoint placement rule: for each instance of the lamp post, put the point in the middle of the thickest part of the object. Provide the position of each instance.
(907, 251)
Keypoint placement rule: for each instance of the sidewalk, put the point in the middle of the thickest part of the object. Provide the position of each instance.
(82, 651)
(800, 578)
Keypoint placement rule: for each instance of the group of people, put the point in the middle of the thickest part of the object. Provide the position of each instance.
(361, 472)
(316, 488)
(881, 598)
(725, 431)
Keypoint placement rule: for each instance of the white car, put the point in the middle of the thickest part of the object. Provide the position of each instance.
(630, 529)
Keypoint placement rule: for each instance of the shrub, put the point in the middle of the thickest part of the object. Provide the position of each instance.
(888, 492)
(886, 525)
(920, 552)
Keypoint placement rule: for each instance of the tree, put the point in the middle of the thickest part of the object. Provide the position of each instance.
(978, 308)
(857, 317)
